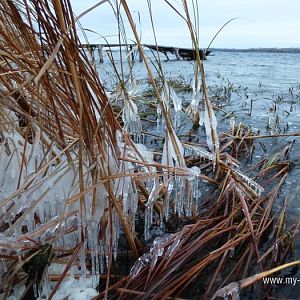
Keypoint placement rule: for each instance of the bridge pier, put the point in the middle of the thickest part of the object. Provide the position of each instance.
(131, 52)
(177, 53)
(166, 55)
(135, 53)
(100, 53)
(93, 53)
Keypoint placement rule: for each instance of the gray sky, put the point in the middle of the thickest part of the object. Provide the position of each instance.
(260, 23)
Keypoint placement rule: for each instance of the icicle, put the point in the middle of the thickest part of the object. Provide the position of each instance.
(201, 117)
(159, 120)
(232, 124)
(177, 102)
(180, 197)
(165, 96)
(132, 88)
(210, 122)
(149, 208)
(116, 229)
(176, 122)
(196, 192)
(169, 155)
(192, 191)
(131, 119)
(167, 199)
(194, 102)
(81, 255)
(93, 232)
(196, 93)
(174, 246)
(188, 204)
(133, 196)
(154, 194)
(102, 256)
(148, 222)
(170, 158)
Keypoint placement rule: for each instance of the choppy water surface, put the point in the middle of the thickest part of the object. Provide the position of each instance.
(265, 79)
(270, 83)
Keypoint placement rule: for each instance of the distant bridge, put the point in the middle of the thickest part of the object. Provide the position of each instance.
(180, 53)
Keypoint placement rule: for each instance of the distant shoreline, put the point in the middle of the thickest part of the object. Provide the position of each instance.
(261, 50)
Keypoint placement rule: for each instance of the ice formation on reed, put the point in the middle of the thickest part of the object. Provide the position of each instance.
(161, 245)
(165, 101)
(46, 191)
(196, 94)
(46, 194)
(170, 157)
(195, 106)
(142, 154)
(177, 103)
(169, 95)
(131, 119)
(130, 116)
(182, 184)
(186, 189)
(258, 189)
(210, 123)
(194, 149)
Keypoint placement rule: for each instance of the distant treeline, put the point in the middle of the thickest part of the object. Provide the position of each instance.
(264, 50)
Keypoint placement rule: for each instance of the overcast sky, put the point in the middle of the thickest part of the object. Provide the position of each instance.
(260, 23)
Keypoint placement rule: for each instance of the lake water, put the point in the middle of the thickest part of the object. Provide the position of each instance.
(265, 79)
(270, 83)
